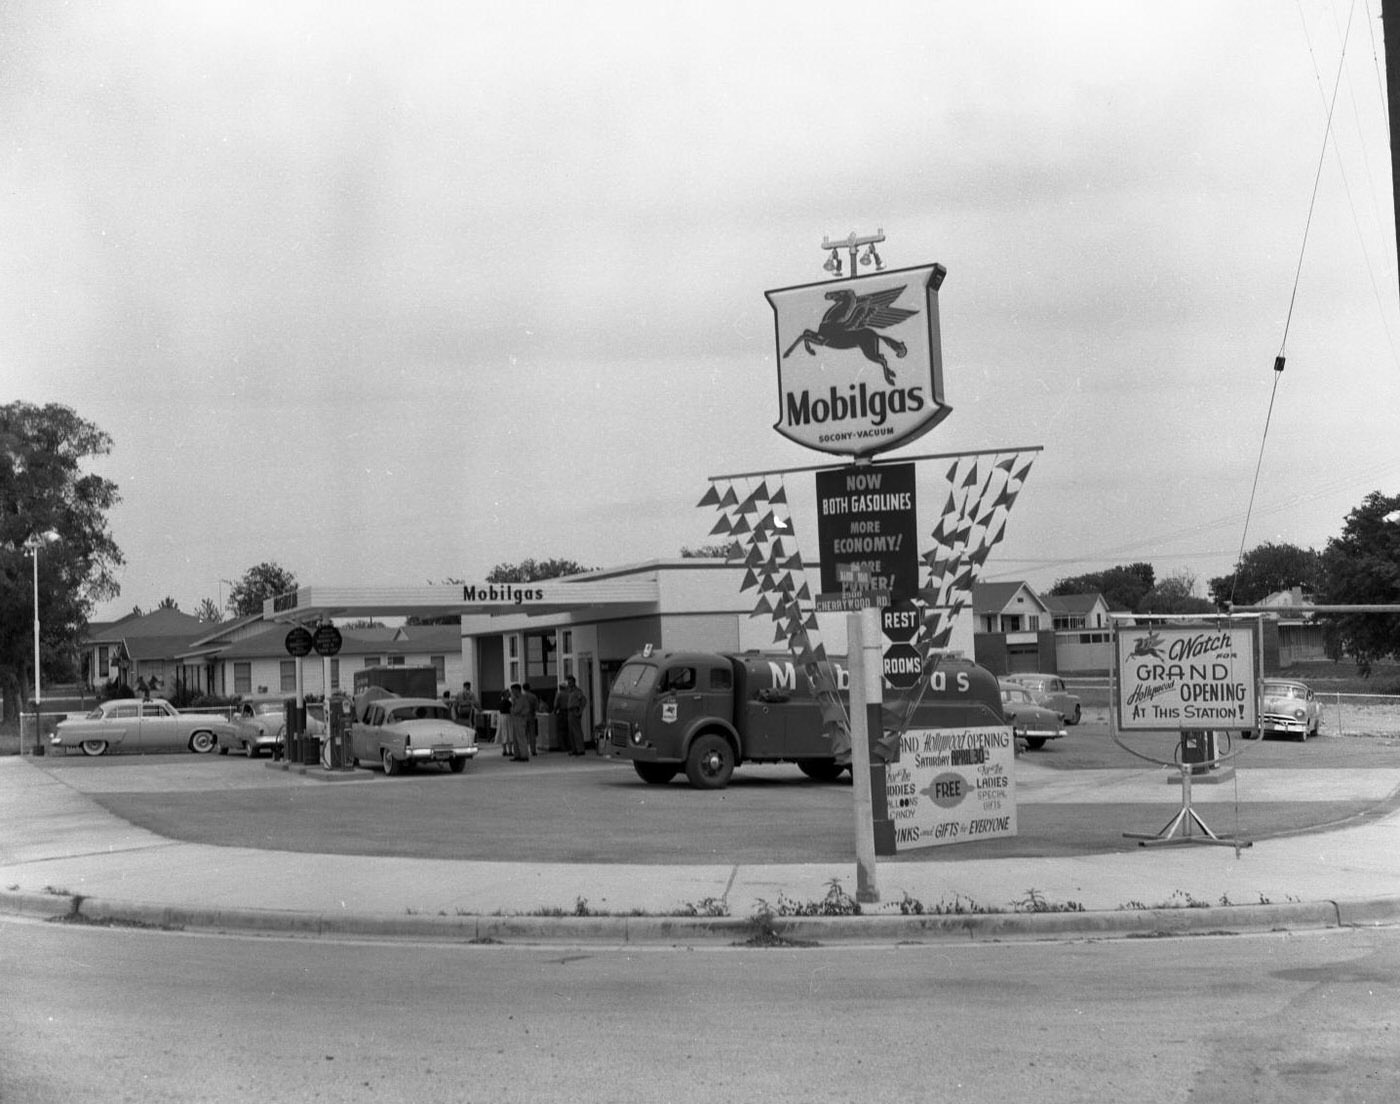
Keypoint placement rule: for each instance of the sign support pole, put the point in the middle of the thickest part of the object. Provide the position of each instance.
(863, 640)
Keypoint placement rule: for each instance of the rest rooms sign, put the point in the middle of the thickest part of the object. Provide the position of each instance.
(1186, 676)
(952, 785)
(867, 521)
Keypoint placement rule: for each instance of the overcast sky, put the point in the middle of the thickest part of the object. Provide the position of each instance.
(390, 293)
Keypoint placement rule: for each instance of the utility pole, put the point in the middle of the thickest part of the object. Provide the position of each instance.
(1390, 31)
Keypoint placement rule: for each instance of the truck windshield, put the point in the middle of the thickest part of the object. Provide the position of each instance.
(635, 680)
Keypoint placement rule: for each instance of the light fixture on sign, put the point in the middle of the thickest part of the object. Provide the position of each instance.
(871, 256)
(833, 264)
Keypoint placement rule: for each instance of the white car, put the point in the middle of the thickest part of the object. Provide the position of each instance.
(396, 733)
(1289, 708)
(260, 724)
(132, 724)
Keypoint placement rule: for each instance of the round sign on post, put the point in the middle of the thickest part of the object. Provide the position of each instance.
(298, 642)
(902, 666)
(326, 640)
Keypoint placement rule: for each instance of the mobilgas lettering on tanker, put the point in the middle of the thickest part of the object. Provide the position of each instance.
(708, 712)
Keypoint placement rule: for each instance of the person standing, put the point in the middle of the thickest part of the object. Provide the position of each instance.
(465, 707)
(522, 707)
(571, 702)
(532, 721)
(505, 722)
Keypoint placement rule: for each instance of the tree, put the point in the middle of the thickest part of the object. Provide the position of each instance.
(257, 584)
(1122, 587)
(1362, 567)
(529, 571)
(168, 603)
(1264, 570)
(1175, 594)
(43, 489)
(208, 611)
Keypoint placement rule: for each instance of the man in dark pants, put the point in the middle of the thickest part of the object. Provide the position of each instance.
(532, 723)
(571, 703)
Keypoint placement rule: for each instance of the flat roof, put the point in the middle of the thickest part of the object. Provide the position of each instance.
(545, 596)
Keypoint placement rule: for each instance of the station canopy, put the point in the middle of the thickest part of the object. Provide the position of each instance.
(547, 596)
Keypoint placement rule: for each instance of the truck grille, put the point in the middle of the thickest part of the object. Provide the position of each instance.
(617, 734)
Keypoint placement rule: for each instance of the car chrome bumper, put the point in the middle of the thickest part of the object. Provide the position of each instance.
(440, 754)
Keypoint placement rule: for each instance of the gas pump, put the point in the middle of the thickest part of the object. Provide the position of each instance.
(338, 719)
(1197, 750)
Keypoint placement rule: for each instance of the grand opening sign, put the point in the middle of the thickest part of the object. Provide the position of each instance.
(952, 785)
(1187, 676)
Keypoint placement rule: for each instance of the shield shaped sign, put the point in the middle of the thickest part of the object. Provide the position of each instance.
(860, 362)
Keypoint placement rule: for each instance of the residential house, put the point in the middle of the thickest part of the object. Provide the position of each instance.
(1014, 628)
(1078, 611)
(257, 662)
(138, 648)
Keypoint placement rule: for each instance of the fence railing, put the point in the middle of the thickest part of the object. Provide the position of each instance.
(1343, 714)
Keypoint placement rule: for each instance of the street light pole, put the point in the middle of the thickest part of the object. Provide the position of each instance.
(33, 544)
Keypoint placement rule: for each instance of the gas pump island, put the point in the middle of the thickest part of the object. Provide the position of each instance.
(860, 373)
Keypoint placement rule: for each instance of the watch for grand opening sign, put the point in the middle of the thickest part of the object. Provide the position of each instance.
(1177, 676)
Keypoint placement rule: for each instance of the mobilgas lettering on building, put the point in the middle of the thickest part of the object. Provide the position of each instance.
(503, 593)
(860, 362)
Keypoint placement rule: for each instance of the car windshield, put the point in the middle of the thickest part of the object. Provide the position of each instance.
(1284, 690)
(635, 680)
(417, 713)
(262, 709)
(1010, 695)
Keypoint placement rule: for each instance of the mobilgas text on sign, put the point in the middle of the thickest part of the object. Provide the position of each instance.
(867, 527)
(505, 594)
(1187, 676)
(952, 785)
(860, 361)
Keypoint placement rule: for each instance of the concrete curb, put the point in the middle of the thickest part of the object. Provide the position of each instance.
(688, 930)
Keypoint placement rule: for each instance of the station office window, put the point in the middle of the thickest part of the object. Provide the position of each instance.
(335, 674)
(242, 678)
(371, 661)
(439, 667)
(289, 674)
(396, 661)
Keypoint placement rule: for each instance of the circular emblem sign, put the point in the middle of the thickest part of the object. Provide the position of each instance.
(326, 640)
(298, 642)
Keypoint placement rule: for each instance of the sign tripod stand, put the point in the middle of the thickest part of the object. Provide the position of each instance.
(1183, 820)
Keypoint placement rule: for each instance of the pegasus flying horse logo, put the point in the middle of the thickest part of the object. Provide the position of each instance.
(855, 321)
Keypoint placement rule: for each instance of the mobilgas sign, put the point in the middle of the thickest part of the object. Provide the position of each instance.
(860, 362)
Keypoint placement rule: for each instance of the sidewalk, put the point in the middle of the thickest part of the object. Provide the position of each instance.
(60, 853)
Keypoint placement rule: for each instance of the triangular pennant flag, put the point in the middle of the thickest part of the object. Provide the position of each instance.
(804, 593)
(750, 580)
(721, 526)
(730, 498)
(811, 623)
(779, 496)
(711, 498)
(760, 493)
(779, 635)
(762, 605)
(971, 478)
(1009, 463)
(1020, 476)
(741, 525)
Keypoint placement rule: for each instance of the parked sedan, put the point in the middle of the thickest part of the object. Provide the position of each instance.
(1031, 722)
(1051, 692)
(396, 733)
(134, 725)
(1289, 708)
(260, 724)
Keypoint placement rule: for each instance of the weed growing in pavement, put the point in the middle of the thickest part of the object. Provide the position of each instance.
(706, 906)
(1035, 901)
(959, 906)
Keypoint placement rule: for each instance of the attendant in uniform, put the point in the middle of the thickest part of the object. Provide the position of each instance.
(522, 708)
(571, 702)
(532, 721)
(505, 723)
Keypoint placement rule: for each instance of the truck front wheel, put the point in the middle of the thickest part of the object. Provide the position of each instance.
(655, 774)
(710, 763)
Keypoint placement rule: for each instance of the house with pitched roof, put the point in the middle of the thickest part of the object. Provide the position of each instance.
(138, 648)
